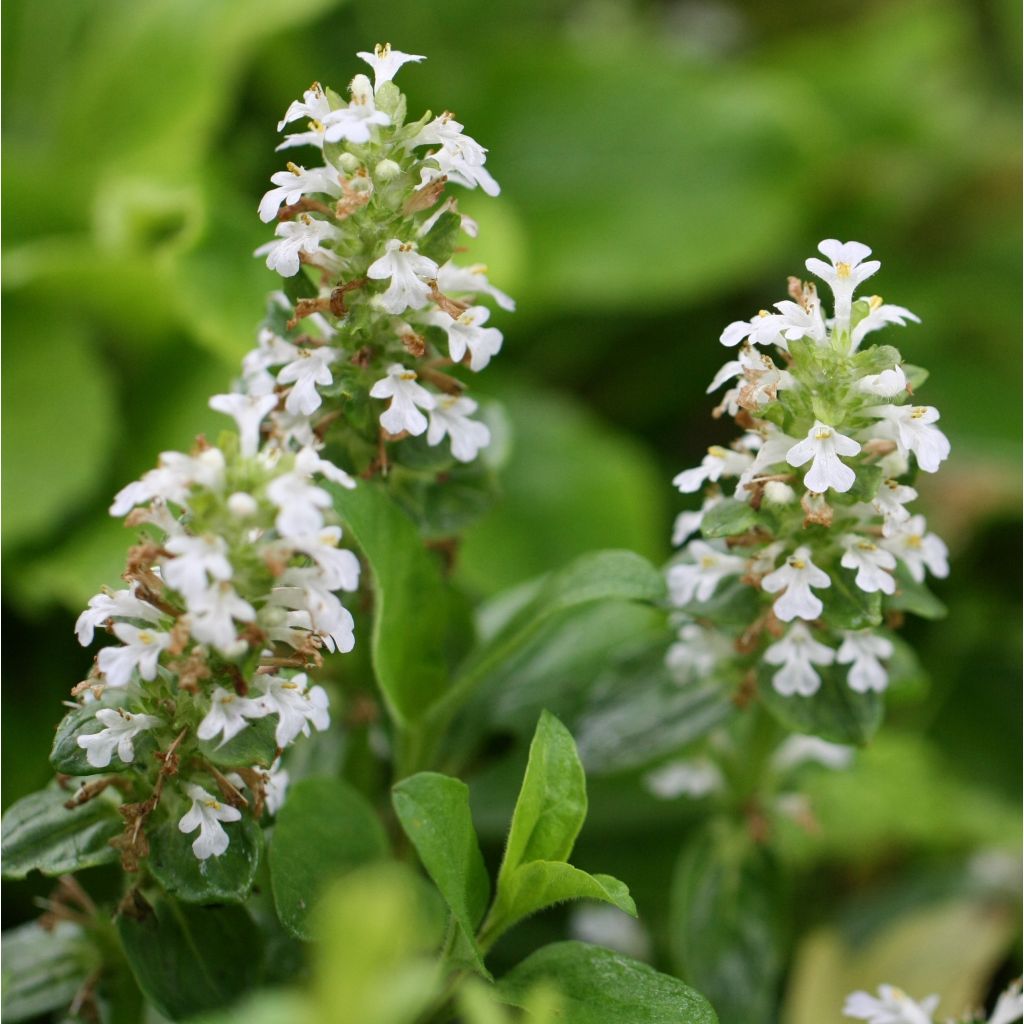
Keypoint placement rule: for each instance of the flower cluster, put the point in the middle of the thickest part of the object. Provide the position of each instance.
(232, 595)
(809, 553)
(365, 242)
(893, 1006)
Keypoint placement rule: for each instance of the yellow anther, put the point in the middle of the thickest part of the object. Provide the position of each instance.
(914, 540)
(717, 451)
(294, 168)
(822, 434)
(874, 302)
(708, 562)
(798, 563)
(408, 375)
(212, 804)
(145, 637)
(843, 270)
(918, 412)
(866, 545)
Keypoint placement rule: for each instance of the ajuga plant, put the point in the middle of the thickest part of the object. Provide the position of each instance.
(280, 669)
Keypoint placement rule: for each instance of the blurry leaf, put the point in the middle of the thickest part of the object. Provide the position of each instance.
(914, 597)
(728, 518)
(266, 1006)
(434, 812)
(601, 987)
(43, 968)
(732, 604)
(846, 606)
(728, 924)
(835, 712)
(224, 879)
(325, 829)
(439, 243)
(39, 833)
(187, 958)
(410, 601)
(58, 420)
(68, 758)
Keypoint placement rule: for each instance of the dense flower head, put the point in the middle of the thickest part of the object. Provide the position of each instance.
(809, 553)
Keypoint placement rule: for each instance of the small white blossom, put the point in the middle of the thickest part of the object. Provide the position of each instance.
(194, 559)
(460, 158)
(467, 333)
(797, 749)
(355, 122)
(339, 566)
(309, 370)
(892, 1006)
(120, 729)
(889, 503)
(298, 500)
(863, 653)
(911, 427)
(206, 814)
(172, 480)
(408, 273)
(386, 62)
(271, 351)
(796, 576)
(242, 505)
(696, 652)
(696, 778)
(306, 589)
(212, 616)
(798, 321)
(688, 523)
(822, 448)
(886, 384)
(453, 280)
(309, 462)
(110, 604)
(450, 416)
(303, 235)
(248, 411)
(918, 549)
(141, 650)
(296, 707)
(797, 653)
(407, 399)
(698, 579)
(315, 106)
(845, 270)
(275, 787)
(717, 463)
(295, 183)
(880, 314)
(873, 564)
(764, 328)
(1009, 1006)
(229, 714)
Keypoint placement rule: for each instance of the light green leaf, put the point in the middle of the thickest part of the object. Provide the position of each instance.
(188, 959)
(254, 745)
(43, 968)
(39, 833)
(324, 829)
(434, 812)
(728, 518)
(598, 986)
(224, 879)
(914, 597)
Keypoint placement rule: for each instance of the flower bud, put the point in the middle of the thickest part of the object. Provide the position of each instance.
(242, 505)
(348, 162)
(387, 170)
(778, 493)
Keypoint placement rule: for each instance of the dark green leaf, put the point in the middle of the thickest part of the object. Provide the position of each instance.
(727, 924)
(43, 968)
(846, 606)
(39, 833)
(865, 485)
(224, 879)
(434, 812)
(188, 959)
(598, 986)
(324, 829)
(254, 745)
(440, 242)
(914, 597)
(728, 518)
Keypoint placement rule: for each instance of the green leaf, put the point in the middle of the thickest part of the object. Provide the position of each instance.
(68, 758)
(440, 241)
(254, 745)
(598, 986)
(728, 518)
(834, 713)
(324, 829)
(43, 968)
(727, 924)
(410, 601)
(434, 812)
(224, 879)
(39, 833)
(914, 597)
(188, 959)
(846, 606)
(732, 604)
(865, 484)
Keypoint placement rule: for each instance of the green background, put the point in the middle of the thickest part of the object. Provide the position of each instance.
(664, 167)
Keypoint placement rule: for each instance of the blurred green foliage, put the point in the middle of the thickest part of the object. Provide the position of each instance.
(665, 165)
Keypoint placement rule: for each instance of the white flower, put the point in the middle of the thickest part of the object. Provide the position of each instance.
(797, 652)
(460, 157)
(355, 122)
(889, 504)
(195, 557)
(141, 650)
(311, 368)
(242, 505)
(111, 604)
(313, 105)
(386, 62)
(248, 411)
(688, 523)
(339, 566)
(1009, 1006)
(798, 749)
(694, 778)
(229, 714)
(172, 480)
(275, 787)
(886, 384)
(206, 814)
(453, 280)
(309, 462)
(298, 500)
(407, 398)
(295, 183)
(296, 706)
(697, 580)
(121, 727)
(467, 332)
(304, 234)
(697, 652)
(862, 651)
(911, 427)
(892, 1006)
(771, 452)
(212, 616)
(796, 576)
(845, 270)
(918, 549)
(822, 448)
(408, 272)
(762, 329)
(271, 351)
(798, 321)
(451, 416)
(307, 589)
(878, 316)
(717, 463)
(871, 563)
